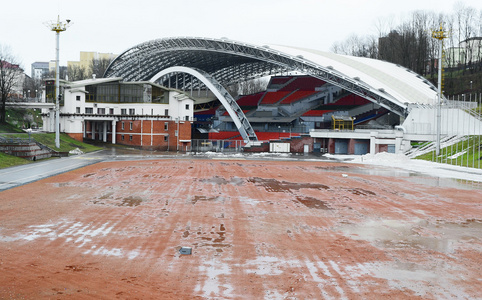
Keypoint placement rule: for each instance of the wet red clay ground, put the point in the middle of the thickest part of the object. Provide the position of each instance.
(258, 230)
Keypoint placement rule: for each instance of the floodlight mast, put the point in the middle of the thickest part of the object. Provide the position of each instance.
(58, 27)
(439, 35)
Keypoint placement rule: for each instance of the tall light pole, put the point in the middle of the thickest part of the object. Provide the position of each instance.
(439, 35)
(58, 27)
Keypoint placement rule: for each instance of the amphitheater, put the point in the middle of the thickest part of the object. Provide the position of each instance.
(386, 106)
(163, 226)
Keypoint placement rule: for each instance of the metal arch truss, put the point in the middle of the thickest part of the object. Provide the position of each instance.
(235, 112)
(229, 62)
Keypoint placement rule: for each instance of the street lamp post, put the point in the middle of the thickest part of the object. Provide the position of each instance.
(439, 35)
(58, 27)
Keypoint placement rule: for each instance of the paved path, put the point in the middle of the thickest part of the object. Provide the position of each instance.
(15, 176)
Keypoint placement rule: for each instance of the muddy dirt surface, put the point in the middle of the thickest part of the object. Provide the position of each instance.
(258, 230)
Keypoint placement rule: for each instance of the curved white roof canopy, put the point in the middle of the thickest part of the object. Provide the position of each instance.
(228, 61)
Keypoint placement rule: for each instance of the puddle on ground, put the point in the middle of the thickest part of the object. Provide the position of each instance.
(273, 185)
(311, 202)
(441, 236)
(359, 191)
(131, 201)
(215, 239)
(407, 175)
(203, 198)
(221, 181)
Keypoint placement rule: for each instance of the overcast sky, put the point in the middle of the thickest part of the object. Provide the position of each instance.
(115, 26)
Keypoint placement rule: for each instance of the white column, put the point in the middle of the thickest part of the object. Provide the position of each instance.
(373, 136)
(113, 131)
(105, 131)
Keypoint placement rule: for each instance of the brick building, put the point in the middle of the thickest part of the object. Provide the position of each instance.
(140, 114)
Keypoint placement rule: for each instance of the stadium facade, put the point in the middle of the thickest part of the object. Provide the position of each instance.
(327, 96)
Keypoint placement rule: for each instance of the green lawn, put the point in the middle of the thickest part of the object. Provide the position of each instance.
(10, 161)
(471, 157)
(66, 142)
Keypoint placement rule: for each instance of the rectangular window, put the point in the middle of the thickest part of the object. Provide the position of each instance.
(123, 111)
(187, 106)
(122, 137)
(187, 118)
(77, 98)
(89, 110)
(165, 138)
(77, 110)
(166, 126)
(166, 112)
(132, 111)
(111, 111)
(101, 111)
(122, 125)
(130, 137)
(130, 126)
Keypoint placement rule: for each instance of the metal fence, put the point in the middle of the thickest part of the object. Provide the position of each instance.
(462, 145)
(217, 145)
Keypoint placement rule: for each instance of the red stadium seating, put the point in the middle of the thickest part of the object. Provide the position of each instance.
(273, 97)
(250, 100)
(298, 95)
(262, 136)
(223, 135)
(316, 113)
(304, 83)
(351, 99)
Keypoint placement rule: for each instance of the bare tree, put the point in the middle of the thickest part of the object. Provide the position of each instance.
(76, 72)
(10, 72)
(98, 67)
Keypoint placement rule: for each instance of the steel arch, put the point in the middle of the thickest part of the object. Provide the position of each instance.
(229, 62)
(235, 112)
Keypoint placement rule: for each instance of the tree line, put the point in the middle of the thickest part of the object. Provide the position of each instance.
(411, 45)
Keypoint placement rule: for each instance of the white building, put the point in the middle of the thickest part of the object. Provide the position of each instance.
(140, 114)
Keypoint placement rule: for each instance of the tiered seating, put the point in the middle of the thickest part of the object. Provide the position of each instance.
(267, 136)
(273, 97)
(262, 136)
(280, 80)
(298, 95)
(351, 99)
(304, 83)
(223, 135)
(316, 113)
(250, 100)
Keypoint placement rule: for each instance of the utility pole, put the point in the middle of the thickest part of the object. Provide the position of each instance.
(58, 27)
(439, 35)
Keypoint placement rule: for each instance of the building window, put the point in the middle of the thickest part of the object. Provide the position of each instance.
(130, 125)
(77, 110)
(130, 137)
(132, 111)
(166, 112)
(111, 111)
(122, 125)
(89, 110)
(122, 137)
(187, 118)
(166, 137)
(166, 126)
(123, 111)
(77, 98)
(101, 111)
(187, 106)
